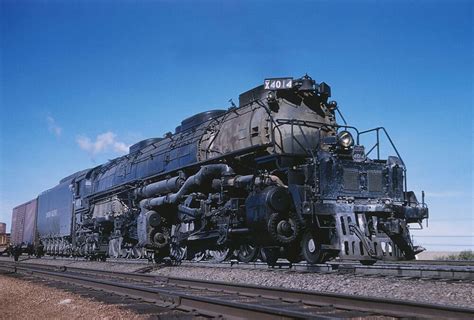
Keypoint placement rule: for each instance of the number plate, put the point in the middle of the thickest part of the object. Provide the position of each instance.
(278, 83)
(358, 154)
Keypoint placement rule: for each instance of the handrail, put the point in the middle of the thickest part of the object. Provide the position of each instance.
(377, 144)
(322, 126)
(272, 122)
(310, 124)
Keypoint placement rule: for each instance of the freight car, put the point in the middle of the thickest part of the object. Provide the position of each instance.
(276, 175)
(3, 228)
(23, 236)
(24, 223)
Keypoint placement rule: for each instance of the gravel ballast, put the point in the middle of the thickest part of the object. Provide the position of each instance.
(416, 290)
(21, 299)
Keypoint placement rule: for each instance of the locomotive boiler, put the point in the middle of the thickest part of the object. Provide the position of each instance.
(275, 176)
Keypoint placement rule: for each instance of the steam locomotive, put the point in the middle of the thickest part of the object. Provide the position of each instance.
(276, 176)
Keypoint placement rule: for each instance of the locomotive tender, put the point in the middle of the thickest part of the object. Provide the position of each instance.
(276, 175)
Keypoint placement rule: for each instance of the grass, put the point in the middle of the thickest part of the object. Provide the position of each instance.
(467, 255)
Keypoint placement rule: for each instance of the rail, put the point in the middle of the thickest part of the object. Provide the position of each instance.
(426, 269)
(213, 298)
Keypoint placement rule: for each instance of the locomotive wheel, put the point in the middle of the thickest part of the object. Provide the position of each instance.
(294, 253)
(125, 253)
(247, 253)
(199, 256)
(150, 256)
(114, 248)
(178, 253)
(311, 248)
(161, 254)
(136, 253)
(220, 254)
(160, 239)
(270, 255)
(158, 257)
(283, 230)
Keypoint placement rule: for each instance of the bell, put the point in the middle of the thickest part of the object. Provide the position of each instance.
(307, 84)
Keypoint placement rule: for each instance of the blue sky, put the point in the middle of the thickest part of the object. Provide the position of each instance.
(80, 81)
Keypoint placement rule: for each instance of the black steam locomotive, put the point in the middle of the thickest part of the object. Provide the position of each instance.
(275, 176)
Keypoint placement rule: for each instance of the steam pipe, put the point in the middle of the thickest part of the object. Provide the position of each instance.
(268, 180)
(247, 180)
(206, 172)
(161, 187)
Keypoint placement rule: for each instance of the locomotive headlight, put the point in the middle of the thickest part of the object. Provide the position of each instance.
(345, 139)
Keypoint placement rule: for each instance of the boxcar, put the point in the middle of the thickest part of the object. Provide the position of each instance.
(24, 223)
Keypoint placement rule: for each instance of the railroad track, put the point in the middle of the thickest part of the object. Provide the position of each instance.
(427, 270)
(219, 299)
(405, 270)
(455, 263)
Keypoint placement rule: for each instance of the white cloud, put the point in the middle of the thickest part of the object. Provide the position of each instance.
(104, 142)
(53, 127)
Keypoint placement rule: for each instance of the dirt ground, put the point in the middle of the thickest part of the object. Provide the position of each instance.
(434, 255)
(21, 299)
